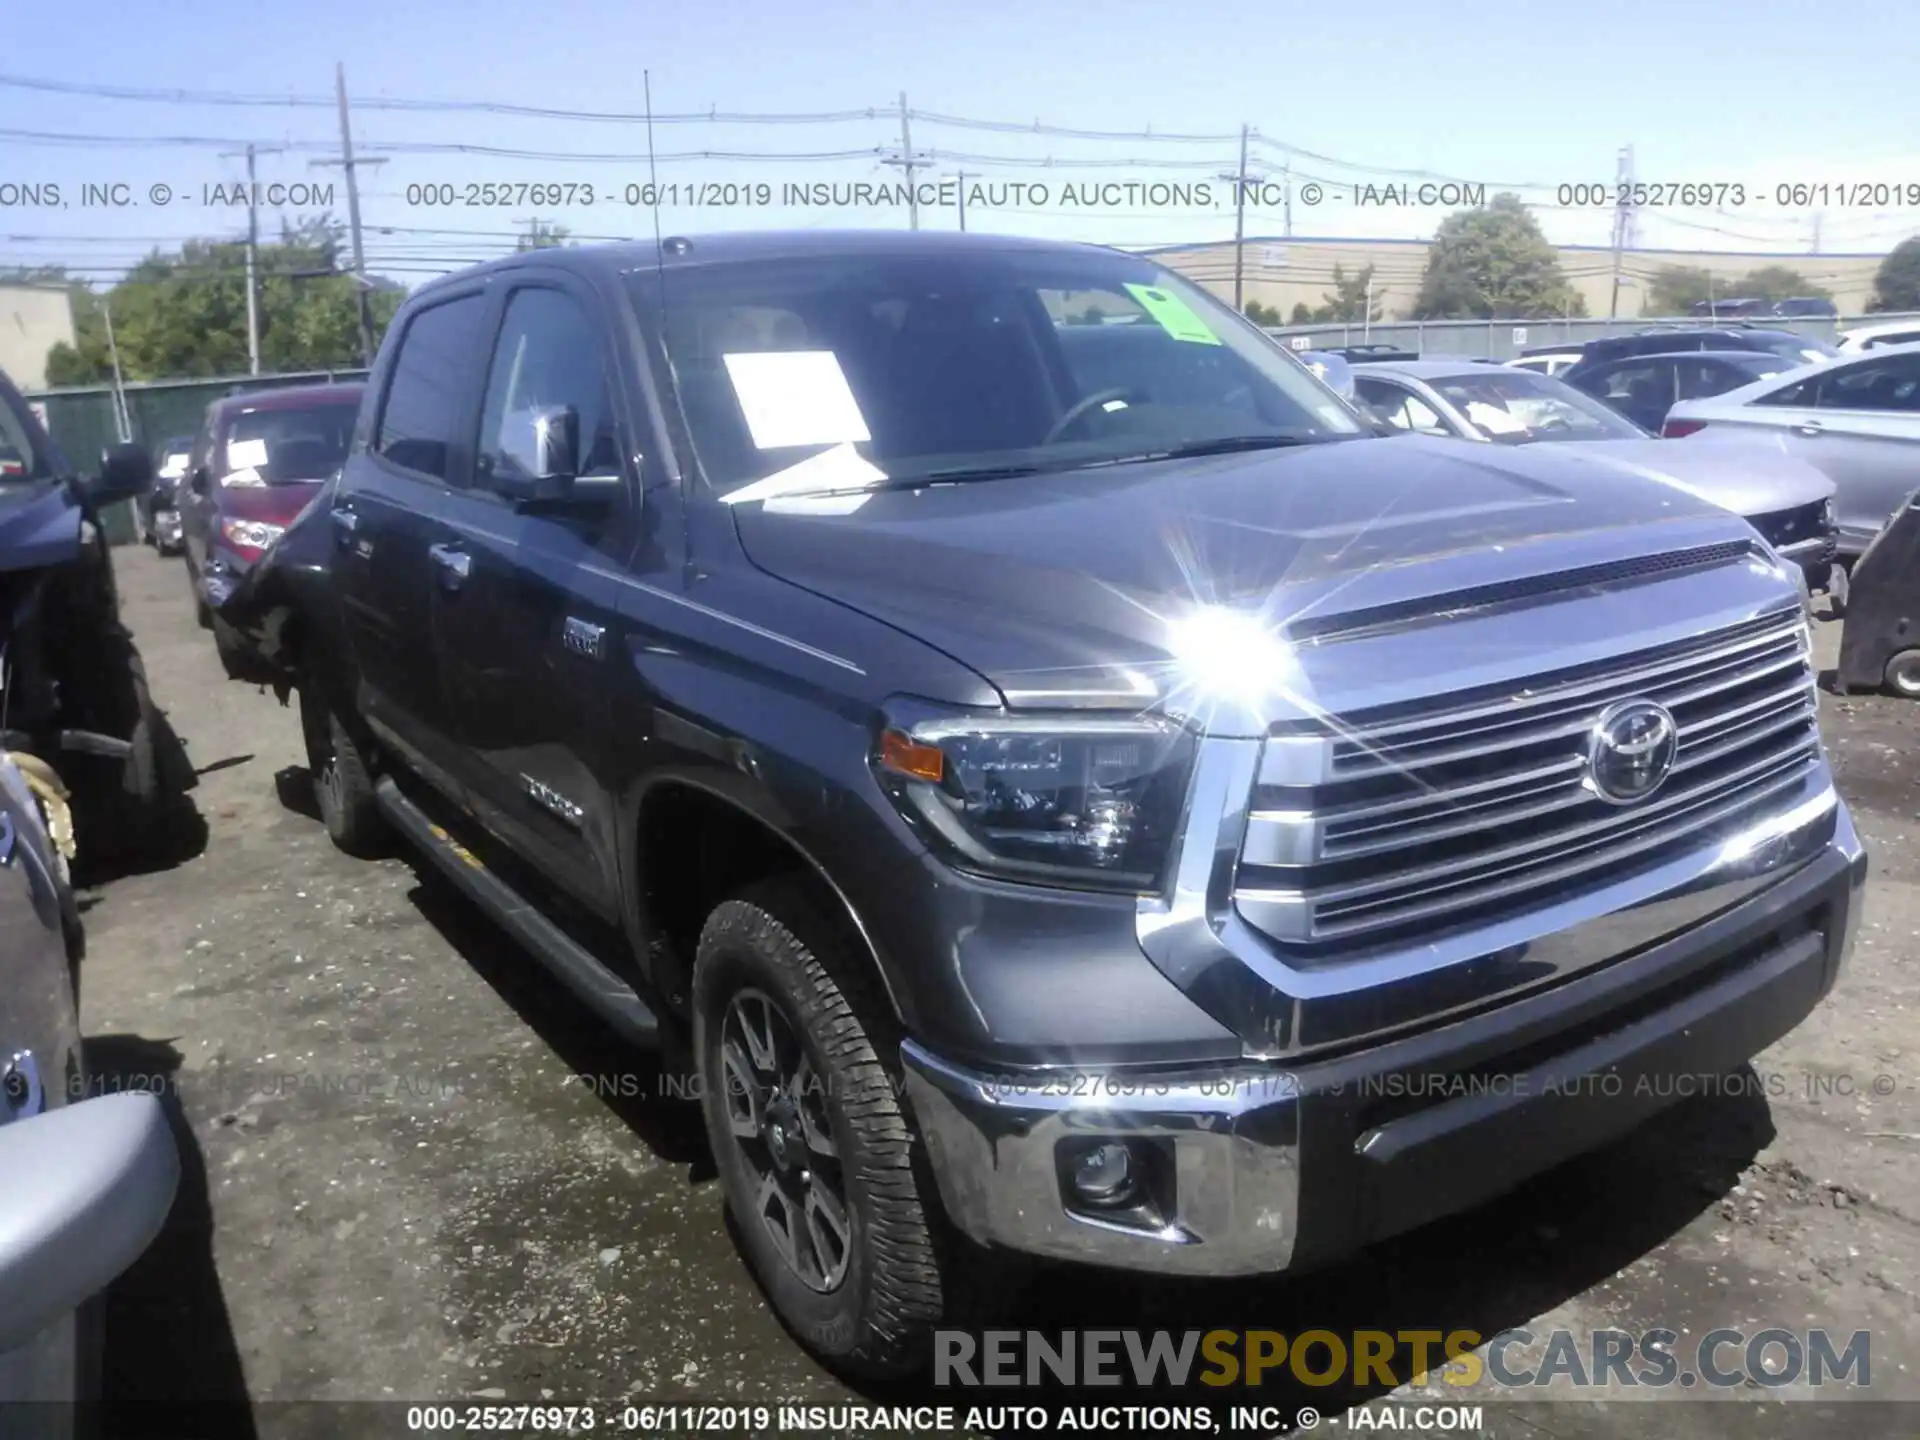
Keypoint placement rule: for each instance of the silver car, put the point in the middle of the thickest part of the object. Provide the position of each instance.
(1790, 503)
(85, 1184)
(1856, 419)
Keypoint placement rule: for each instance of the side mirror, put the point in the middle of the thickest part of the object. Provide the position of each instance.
(541, 450)
(125, 471)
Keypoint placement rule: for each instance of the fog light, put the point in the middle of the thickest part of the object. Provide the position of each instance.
(1104, 1175)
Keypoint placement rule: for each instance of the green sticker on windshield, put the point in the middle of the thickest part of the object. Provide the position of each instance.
(1173, 315)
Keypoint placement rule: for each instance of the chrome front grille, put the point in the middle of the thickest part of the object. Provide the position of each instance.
(1401, 822)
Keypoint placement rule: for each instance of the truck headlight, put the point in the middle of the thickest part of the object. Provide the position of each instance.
(1080, 800)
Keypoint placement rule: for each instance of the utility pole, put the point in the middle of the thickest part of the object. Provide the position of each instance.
(253, 255)
(1240, 222)
(122, 421)
(1239, 179)
(351, 166)
(1366, 330)
(1817, 216)
(1621, 220)
(962, 176)
(1286, 175)
(907, 164)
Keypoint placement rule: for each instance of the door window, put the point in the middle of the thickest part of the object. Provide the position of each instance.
(548, 355)
(1701, 378)
(1889, 384)
(421, 413)
(1642, 386)
(1399, 408)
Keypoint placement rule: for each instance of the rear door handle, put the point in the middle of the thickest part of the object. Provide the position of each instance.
(453, 563)
(346, 524)
(1810, 428)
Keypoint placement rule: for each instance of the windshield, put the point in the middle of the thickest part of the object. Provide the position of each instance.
(280, 446)
(1516, 407)
(874, 368)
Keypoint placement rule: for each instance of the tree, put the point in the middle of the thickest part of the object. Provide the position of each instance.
(1263, 315)
(1301, 314)
(1348, 300)
(1493, 263)
(1676, 289)
(539, 235)
(1896, 284)
(184, 315)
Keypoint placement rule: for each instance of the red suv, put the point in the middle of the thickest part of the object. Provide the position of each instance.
(258, 459)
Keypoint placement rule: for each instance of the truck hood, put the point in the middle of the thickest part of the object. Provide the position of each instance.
(1748, 476)
(39, 525)
(1078, 589)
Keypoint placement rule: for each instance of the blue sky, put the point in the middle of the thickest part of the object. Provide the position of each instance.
(1755, 94)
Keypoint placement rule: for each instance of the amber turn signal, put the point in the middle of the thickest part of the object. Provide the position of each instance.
(904, 755)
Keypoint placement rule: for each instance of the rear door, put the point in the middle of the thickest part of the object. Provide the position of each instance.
(390, 514)
(525, 609)
(1860, 424)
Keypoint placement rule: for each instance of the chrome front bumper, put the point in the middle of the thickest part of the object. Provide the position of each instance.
(1268, 1166)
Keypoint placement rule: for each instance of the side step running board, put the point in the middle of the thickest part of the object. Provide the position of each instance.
(605, 992)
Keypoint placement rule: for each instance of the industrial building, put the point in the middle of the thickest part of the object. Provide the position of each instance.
(1284, 271)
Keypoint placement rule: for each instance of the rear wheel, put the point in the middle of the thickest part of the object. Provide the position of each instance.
(1903, 674)
(342, 779)
(814, 1150)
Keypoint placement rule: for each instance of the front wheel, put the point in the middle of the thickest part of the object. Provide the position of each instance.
(1903, 674)
(813, 1148)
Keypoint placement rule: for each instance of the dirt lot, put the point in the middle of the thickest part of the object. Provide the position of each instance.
(399, 1186)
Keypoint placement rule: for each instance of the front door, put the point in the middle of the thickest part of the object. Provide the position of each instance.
(525, 611)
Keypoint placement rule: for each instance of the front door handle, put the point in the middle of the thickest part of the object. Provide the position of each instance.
(7, 838)
(453, 563)
(1810, 428)
(346, 525)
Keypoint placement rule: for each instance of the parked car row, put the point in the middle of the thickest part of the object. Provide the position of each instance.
(959, 717)
(86, 772)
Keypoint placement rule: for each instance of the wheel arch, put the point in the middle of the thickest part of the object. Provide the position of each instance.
(672, 887)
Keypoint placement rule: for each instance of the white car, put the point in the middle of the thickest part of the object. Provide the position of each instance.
(1549, 365)
(1788, 502)
(1856, 418)
(1862, 338)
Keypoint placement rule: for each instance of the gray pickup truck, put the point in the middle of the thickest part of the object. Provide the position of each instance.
(1074, 784)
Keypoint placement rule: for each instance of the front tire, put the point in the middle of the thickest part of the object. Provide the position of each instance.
(813, 1148)
(342, 779)
(1903, 675)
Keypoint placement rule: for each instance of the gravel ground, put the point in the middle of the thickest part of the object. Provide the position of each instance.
(398, 1184)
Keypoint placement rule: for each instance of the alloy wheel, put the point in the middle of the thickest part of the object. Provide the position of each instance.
(777, 1117)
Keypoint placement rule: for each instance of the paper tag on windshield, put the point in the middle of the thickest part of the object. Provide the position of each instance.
(240, 479)
(840, 468)
(1173, 315)
(246, 454)
(795, 397)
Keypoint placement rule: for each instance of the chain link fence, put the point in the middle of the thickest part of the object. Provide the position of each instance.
(1506, 339)
(84, 419)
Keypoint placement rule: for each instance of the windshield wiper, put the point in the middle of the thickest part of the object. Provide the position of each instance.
(1224, 445)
